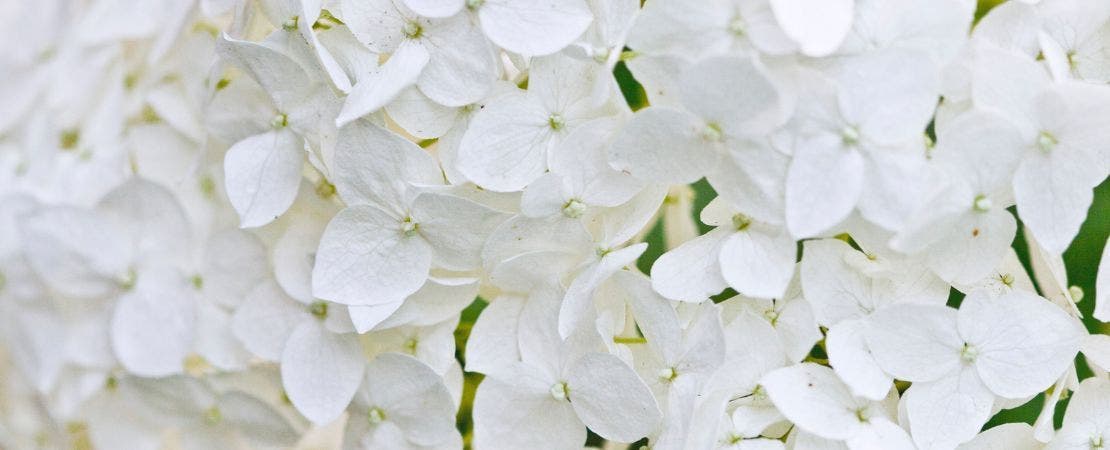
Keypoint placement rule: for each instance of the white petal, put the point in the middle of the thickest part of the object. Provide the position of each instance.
(976, 244)
(277, 73)
(321, 371)
(375, 90)
(262, 174)
(215, 341)
(817, 26)
(655, 317)
(374, 165)
(456, 228)
(153, 327)
(890, 95)
(75, 251)
(534, 27)
(661, 144)
(884, 434)
(257, 421)
(611, 399)
(758, 263)
(523, 414)
(850, 357)
(823, 185)
(578, 302)
(836, 291)
(1008, 436)
(916, 343)
(420, 116)
(1049, 340)
(235, 262)
(506, 144)
(493, 340)
(366, 259)
(813, 398)
(948, 411)
(462, 68)
(367, 317)
(435, 8)
(691, 272)
(438, 300)
(734, 94)
(266, 319)
(412, 395)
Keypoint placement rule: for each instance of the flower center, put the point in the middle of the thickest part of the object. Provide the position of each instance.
(741, 222)
(849, 135)
(1007, 279)
(290, 24)
(712, 132)
(559, 391)
(1046, 141)
(772, 316)
(667, 374)
(409, 228)
(982, 203)
(212, 416)
(375, 415)
(556, 121)
(319, 309)
(279, 121)
(412, 30)
(863, 415)
(410, 346)
(737, 26)
(474, 4)
(969, 353)
(574, 208)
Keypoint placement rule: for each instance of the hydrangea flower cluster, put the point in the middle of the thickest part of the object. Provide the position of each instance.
(436, 224)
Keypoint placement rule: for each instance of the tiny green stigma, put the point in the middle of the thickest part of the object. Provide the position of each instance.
(213, 416)
(412, 30)
(712, 132)
(574, 208)
(1046, 141)
(69, 139)
(127, 281)
(410, 346)
(741, 222)
(324, 189)
(1007, 279)
(556, 121)
(969, 353)
(849, 135)
(474, 4)
(772, 316)
(982, 203)
(319, 309)
(409, 228)
(220, 85)
(862, 415)
(737, 26)
(279, 121)
(668, 374)
(198, 282)
(207, 186)
(759, 393)
(290, 24)
(375, 415)
(560, 391)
